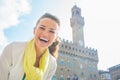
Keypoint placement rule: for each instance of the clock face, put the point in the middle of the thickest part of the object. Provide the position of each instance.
(80, 42)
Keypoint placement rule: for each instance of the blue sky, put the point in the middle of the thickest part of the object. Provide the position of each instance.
(100, 31)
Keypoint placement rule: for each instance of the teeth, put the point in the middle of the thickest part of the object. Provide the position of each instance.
(43, 39)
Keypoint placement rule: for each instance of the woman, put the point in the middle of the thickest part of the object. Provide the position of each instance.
(32, 60)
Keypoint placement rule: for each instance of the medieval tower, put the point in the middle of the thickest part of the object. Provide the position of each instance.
(77, 24)
(75, 61)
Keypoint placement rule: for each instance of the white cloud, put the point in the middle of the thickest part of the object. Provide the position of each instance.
(10, 11)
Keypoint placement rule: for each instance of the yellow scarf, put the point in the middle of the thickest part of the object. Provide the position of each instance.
(33, 73)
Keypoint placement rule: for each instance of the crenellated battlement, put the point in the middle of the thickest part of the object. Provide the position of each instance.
(66, 41)
(70, 48)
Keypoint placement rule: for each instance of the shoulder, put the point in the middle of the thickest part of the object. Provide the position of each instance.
(17, 44)
(52, 66)
(53, 61)
(16, 51)
(13, 46)
(18, 47)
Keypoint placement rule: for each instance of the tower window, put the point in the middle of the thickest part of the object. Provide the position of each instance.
(79, 50)
(72, 13)
(65, 46)
(73, 48)
(77, 12)
(62, 45)
(69, 47)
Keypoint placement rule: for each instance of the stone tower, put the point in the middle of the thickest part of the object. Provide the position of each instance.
(77, 24)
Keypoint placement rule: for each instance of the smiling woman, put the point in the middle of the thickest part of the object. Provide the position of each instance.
(35, 59)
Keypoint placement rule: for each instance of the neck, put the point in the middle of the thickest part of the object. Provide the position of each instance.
(39, 51)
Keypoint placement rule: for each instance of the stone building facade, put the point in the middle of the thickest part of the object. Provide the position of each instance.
(75, 61)
(104, 75)
(115, 72)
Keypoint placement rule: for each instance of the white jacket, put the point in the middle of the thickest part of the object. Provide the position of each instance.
(11, 63)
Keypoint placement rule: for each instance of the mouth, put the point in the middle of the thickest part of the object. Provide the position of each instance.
(43, 40)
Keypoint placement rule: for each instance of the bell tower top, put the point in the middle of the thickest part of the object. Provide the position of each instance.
(76, 11)
(77, 24)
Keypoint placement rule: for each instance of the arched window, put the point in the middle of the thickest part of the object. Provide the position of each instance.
(62, 62)
(61, 77)
(68, 63)
(68, 78)
(81, 66)
(77, 12)
(54, 77)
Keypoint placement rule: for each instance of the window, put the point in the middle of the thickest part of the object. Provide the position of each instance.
(77, 12)
(81, 66)
(74, 64)
(73, 13)
(54, 77)
(68, 63)
(61, 77)
(95, 76)
(69, 47)
(82, 74)
(65, 46)
(68, 78)
(61, 62)
(90, 75)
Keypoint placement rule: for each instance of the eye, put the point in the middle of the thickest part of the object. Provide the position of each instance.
(51, 31)
(42, 28)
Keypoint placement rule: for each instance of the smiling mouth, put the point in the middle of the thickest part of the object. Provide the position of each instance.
(43, 40)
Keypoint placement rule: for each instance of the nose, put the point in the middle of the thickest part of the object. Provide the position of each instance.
(45, 33)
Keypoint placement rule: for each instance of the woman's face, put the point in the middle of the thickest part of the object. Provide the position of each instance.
(45, 33)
